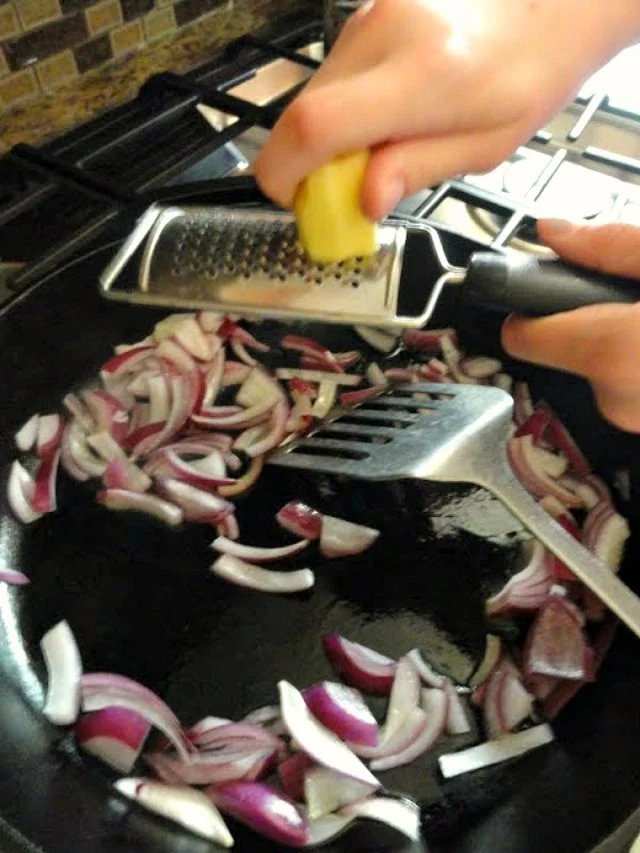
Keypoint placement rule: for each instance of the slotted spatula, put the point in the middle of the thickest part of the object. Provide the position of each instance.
(448, 433)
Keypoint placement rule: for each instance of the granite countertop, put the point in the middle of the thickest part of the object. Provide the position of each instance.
(53, 113)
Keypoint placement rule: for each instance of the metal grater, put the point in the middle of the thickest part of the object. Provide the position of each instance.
(448, 433)
(248, 262)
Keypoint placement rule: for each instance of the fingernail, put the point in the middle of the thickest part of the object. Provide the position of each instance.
(560, 226)
(392, 195)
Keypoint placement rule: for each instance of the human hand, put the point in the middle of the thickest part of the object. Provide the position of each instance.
(436, 88)
(598, 342)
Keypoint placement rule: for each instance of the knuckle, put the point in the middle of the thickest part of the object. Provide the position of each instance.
(306, 123)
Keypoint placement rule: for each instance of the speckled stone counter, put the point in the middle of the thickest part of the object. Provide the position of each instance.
(74, 104)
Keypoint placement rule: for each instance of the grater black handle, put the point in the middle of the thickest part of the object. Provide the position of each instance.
(535, 287)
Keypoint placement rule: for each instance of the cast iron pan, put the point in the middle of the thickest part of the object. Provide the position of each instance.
(141, 602)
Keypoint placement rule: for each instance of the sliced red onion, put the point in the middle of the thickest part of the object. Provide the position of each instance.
(257, 554)
(434, 370)
(563, 441)
(526, 467)
(340, 538)
(302, 388)
(159, 399)
(605, 533)
(105, 446)
(286, 373)
(195, 473)
(452, 357)
(143, 440)
(122, 474)
(44, 495)
(435, 704)
(26, 436)
(405, 695)
(425, 670)
(556, 644)
(254, 577)
(191, 337)
(49, 435)
(229, 527)
(20, 492)
(401, 374)
(114, 735)
(380, 339)
(522, 402)
(495, 751)
(326, 791)
(243, 354)
(237, 417)
(535, 425)
(64, 670)
(291, 773)
(263, 716)
(360, 395)
(227, 733)
(317, 741)
(214, 767)
(78, 412)
(399, 740)
(457, 720)
(360, 666)
(203, 727)
(481, 366)
(244, 483)
(196, 504)
(375, 375)
(191, 809)
(312, 348)
(401, 815)
(343, 711)
(125, 362)
(506, 704)
(492, 654)
(300, 417)
(229, 329)
(528, 588)
(300, 519)
(325, 401)
(427, 340)
(122, 499)
(234, 373)
(108, 413)
(274, 436)
(13, 577)
(262, 809)
(172, 353)
(113, 691)
(186, 390)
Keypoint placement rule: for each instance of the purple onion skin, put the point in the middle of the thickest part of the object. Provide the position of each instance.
(350, 672)
(359, 727)
(262, 809)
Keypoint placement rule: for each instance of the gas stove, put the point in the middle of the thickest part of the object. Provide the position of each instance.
(208, 125)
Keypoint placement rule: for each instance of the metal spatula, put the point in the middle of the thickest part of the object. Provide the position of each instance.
(448, 433)
(248, 262)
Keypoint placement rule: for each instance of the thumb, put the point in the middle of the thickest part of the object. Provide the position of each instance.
(613, 247)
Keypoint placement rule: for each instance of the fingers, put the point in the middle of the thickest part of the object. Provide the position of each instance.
(612, 247)
(399, 169)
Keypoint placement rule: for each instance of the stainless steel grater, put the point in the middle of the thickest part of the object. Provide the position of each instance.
(248, 262)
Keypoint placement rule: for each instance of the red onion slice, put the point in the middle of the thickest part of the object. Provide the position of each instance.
(226, 733)
(108, 413)
(212, 768)
(457, 720)
(343, 711)
(125, 362)
(326, 791)
(564, 441)
(210, 320)
(427, 340)
(229, 329)
(262, 809)
(495, 751)
(492, 654)
(526, 466)
(26, 436)
(325, 399)
(401, 815)
(360, 395)
(191, 809)
(401, 738)
(276, 433)
(507, 703)
(556, 644)
(605, 533)
(300, 519)
(308, 346)
(480, 366)
(380, 339)
(122, 499)
(172, 354)
(78, 412)
(254, 577)
(193, 473)
(425, 670)
(122, 474)
(50, 428)
(196, 504)
(535, 425)
(20, 491)
(159, 399)
(191, 337)
(244, 483)
(340, 538)
(291, 773)
(241, 418)
(528, 588)
(522, 403)
(318, 376)
(317, 741)
(64, 670)
(405, 696)
(13, 578)
(256, 554)
(435, 704)
(360, 666)
(114, 735)
(44, 495)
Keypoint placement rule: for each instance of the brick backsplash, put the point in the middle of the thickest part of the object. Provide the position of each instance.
(47, 43)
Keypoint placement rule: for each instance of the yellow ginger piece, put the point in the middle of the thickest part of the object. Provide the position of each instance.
(331, 224)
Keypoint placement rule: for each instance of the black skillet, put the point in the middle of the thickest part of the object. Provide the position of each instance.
(141, 602)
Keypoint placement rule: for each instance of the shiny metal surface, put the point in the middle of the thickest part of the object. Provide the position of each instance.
(450, 434)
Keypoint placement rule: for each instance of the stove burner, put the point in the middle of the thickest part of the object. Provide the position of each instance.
(573, 192)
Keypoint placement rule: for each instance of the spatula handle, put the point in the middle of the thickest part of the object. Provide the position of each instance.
(534, 287)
